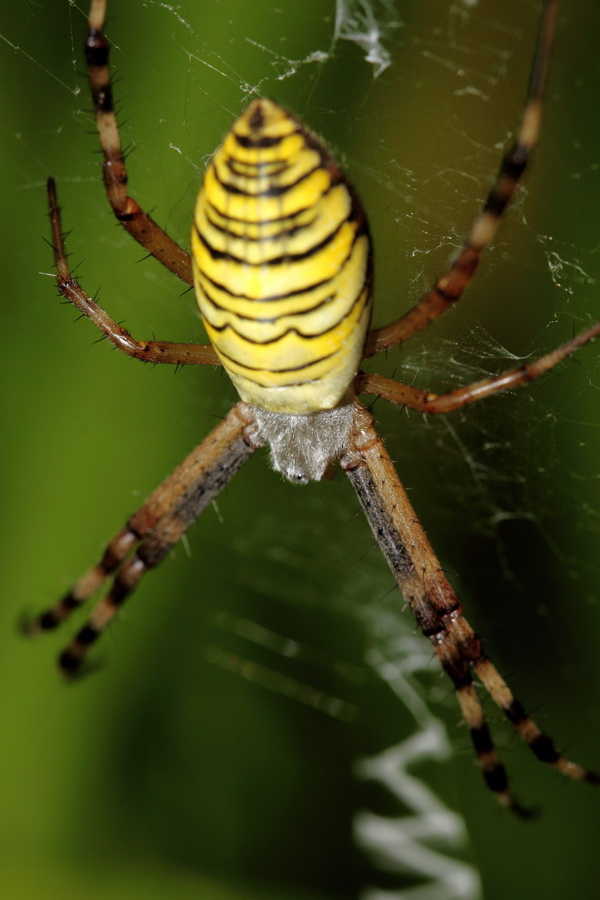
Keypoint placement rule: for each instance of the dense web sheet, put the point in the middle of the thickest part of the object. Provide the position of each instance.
(418, 100)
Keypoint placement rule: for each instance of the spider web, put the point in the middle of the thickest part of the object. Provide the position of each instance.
(418, 101)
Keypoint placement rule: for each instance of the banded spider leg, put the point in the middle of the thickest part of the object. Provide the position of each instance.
(151, 532)
(438, 613)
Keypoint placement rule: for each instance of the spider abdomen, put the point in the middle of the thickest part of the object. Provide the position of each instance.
(282, 264)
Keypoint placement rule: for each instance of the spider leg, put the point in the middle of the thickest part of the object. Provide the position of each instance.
(137, 222)
(539, 743)
(449, 288)
(427, 402)
(152, 531)
(437, 609)
(148, 351)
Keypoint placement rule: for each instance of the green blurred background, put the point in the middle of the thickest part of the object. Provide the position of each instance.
(173, 770)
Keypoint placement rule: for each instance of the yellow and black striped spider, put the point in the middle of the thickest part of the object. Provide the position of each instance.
(281, 264)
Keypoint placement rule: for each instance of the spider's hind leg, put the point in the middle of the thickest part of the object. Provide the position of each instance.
(540, 744)
(458, 648)
(155, 528)
(438, 613)
(72, 658)
(116, 551)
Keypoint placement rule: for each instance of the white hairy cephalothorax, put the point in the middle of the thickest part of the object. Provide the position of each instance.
(303, 446)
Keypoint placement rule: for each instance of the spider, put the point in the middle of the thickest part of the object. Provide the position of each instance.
(282, 266)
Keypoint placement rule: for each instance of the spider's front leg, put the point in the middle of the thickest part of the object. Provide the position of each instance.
(148, 351)
(438, 612)
(127, 210)
(152, 531)
(427, 402)
(449, 288)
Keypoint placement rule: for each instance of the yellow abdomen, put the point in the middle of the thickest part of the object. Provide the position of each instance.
(282, 264)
